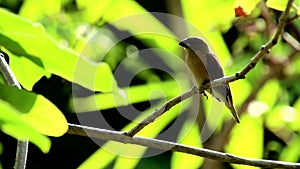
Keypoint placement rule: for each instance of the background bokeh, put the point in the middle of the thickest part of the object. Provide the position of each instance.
(42, 39)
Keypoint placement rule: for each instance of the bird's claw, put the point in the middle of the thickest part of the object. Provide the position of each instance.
(204, 94)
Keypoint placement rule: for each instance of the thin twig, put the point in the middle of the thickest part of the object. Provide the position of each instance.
(7, 73)
(161, 110)
(291, 41)
(21, 154)
(165, 145)
(293, 18)
(240, 75)
(22, 145)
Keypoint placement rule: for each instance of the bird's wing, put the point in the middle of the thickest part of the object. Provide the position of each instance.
(213, 67)
(215, 71)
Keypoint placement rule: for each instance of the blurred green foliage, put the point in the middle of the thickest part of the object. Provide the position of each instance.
(91, 42)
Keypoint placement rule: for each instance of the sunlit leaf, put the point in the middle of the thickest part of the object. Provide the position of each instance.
(274, 119)
(277, 4)
(187, 136)
(241, 140)
(291, 151)
(205, 17)
(94, 10)
(130, 14)
(295, 65)
(119, 151)
(36, 110)
(20, 69)
(135, 94)
(269, 93)
(236, 87)
(281, 50)
(281, 4)
(246, 6)
(295, 124)
(26, 39)
(46, 7)
(133, 151)
(14, 125)
(105, 156)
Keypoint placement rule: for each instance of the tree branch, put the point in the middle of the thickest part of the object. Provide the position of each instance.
(22, 146)
(160, 111)
(265, 49)
(165, 145)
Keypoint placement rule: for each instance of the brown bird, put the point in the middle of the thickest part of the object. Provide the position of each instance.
(205, 67)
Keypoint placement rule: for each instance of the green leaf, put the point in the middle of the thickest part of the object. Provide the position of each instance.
(130, 14)
(242, 143)
(282, 116)
(281, 4)
(106, 158)
(36, 110)
(295, 123)
(207, 22)
(46, 7)
(93, 10)
(271, 89)
(294, 66)
(14, 125)
(236, 87)
(277, 4)
(135, 94)
(189, 135)
(131, 151)
(274, 119)
(247, 5)
(120, 152)
(205, 15)
(291, 151)
(20, 69)
(26, 39)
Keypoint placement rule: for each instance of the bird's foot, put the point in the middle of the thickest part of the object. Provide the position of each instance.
(204, 94)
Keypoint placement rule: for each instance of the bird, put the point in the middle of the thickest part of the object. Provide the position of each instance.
(205, 67)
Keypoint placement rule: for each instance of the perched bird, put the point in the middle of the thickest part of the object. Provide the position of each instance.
(205, 67)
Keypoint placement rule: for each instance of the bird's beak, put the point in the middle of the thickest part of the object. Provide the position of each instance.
(183, 44)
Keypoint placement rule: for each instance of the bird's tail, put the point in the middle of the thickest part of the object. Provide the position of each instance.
(230, 106)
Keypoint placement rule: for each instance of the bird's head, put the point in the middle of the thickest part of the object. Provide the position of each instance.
(194, 43)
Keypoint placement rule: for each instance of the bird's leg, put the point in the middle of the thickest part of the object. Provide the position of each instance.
(204, 94)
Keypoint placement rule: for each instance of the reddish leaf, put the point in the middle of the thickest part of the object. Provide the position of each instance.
(239, 12)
